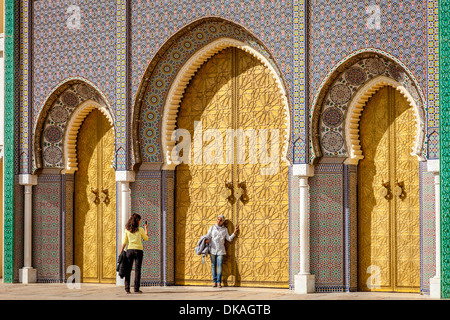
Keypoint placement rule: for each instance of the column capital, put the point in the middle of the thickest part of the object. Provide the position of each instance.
(433, 166)
(125, 176)
(27, 180)
(303, 170)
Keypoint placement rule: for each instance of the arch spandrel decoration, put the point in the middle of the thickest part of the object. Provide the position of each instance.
(337, 107)
(163, 84)
(55, 132)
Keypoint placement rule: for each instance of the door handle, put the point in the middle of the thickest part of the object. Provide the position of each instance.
(93, 196)
(400, 190)
(229, 194)
(241, 192)
(105, 196)
(386, 192)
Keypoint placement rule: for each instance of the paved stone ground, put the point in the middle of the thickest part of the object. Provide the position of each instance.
(113, 292)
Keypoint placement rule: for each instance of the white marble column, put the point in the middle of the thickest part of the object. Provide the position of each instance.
(304, 280)
(124, 178)
(28, 274)
(435, 282)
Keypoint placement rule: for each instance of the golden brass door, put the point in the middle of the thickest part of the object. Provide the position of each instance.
(95, 201)
(233, 90)
(388, 196)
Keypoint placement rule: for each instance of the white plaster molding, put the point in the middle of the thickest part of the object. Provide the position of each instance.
(125, 176)
(303, 170)
(433, 166)
(27, 180)
(356, 107)
(72, 129)
(182, 79)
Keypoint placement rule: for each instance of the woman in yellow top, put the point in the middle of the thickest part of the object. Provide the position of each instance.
(135, 251)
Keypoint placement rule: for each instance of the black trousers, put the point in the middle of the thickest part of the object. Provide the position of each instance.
(135, 256)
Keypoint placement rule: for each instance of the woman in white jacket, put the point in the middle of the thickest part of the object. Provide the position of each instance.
(216, 239)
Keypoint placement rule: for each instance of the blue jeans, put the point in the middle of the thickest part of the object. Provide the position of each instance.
(216, 267)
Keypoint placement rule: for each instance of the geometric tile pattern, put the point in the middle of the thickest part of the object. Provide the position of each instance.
(59, 115)
(146, 201)
(428, 228)
(11, 237)
(433, 78)
(300, 112)
(338, 28)
(122, 98)
(269, 22)
(60, 52)
(47, 228)
(327, 227)
(444, 103)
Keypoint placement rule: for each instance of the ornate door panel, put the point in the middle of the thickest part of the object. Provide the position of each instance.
(233, 90)
(95, 207)
(207, 99)
(263, 244)
(388, 206)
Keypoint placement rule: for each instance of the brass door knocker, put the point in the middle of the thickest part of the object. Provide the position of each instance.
(93, 196)
(229, 194)
(243, 196)
(105, 196)
(386, 192)
(400, 190)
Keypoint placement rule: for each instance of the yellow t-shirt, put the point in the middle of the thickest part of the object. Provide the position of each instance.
(133, 240)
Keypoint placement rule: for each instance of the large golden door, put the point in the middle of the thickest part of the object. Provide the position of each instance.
(95, 201)
(233, 90)
(388, 202)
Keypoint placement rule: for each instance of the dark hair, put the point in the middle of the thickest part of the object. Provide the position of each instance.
(133, 223)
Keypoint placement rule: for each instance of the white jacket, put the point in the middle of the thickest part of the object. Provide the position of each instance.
(217, 235)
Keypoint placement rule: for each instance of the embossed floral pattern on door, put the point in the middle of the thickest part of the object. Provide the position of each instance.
(233, 90)
(389, 209)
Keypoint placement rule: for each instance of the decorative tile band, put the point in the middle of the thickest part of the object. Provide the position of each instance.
(300, 119)
(433, 78)
(122, 83)
(444, 103)
(9, 152)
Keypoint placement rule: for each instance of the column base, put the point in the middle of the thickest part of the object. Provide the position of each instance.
(305, 283)
(435, 288)
(27, 275)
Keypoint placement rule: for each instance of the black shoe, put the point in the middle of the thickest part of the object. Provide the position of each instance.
(139, 291)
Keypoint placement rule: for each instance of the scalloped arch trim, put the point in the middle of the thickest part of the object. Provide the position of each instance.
(356, 108)
(73, 127)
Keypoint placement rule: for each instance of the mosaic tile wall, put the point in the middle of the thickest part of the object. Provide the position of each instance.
(146, 201)
(338, 28)
(427, 228)
(327, 227)
(47, 228)
(433, 78)
(61, 52)
(153, 23)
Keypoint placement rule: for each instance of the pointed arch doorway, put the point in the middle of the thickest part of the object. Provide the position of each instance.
(233, 90)
(95, 201)
(388, 196)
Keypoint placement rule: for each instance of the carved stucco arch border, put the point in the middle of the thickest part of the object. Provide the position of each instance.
(335, 73)
(45, 108)
(175, 94)
(72, 129)
(356, 108)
